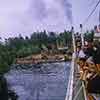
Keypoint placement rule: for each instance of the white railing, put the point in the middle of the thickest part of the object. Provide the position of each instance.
(69, 94)
(79, 92)
(79, 88)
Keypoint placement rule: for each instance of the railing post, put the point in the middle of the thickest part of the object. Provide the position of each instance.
(69, 95)
(84, 91)
(78, 92)
(73, 39)
(82, 35)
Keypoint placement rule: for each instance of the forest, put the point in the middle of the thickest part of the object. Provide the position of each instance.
(18, 47)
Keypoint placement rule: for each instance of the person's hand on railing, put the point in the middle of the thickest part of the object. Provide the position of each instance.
(98, 68)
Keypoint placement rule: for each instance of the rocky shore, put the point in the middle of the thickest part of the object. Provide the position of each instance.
(43, 58)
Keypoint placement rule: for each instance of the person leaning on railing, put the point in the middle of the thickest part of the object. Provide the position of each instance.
(86, 62)
(87, 72)
(82, 68)
(90, 69)
(82, 64)
(94, 83)
(87, 69)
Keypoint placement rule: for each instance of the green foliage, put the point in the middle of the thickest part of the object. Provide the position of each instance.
(26, 51)
(4, 59)
(89, 35)
(22, 47)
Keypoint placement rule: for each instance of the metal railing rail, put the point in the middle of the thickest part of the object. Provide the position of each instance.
(84, 91)
(69, 94)
(79, 89)
(80, 93)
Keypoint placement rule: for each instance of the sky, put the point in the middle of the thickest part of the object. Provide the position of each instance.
(26, 16)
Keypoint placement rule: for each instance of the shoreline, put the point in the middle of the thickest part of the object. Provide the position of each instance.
(39, 59)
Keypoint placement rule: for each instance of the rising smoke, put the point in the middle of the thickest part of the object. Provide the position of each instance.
(68, 10)
(38, 9)
(42, 9)
(26, 16)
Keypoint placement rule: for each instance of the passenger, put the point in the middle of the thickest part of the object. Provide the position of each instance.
(81, 54)
(91, 68)
(97, 53)
(90, 52)
(81, 63)
(88, 48)
(78, 50)
(94, 83)
(82, 60)
(88, 68)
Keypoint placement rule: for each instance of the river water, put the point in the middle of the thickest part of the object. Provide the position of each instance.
(39, 82)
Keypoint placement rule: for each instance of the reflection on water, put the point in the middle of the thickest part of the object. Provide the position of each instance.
(39, 82)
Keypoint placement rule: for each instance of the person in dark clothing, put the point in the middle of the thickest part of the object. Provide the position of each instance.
(94, 83)
(96, 56)
(88, 49)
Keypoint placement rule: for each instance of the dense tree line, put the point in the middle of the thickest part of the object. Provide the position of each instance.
(89, 35)
(17, 47)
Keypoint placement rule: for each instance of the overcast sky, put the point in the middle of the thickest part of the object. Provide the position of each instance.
(26, 16)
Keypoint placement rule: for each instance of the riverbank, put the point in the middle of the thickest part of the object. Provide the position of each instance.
(43, 58)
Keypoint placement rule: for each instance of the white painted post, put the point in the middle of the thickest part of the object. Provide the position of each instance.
(69, 94)
(73, 39)
(82, 35)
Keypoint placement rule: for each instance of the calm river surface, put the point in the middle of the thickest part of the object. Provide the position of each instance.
(39, 82)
